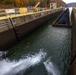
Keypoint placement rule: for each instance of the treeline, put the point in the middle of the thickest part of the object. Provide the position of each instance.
(5, 2)
(19, 3)
(43, 3)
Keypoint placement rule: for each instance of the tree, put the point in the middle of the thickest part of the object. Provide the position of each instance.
(21, 2)
(32, 2)
(26, 2)
(1, 1)
(7, 2)
(17, 2)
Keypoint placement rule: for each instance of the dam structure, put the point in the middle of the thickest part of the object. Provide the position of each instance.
(13, 28)
(31, 45)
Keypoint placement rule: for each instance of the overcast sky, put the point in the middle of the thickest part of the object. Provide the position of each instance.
(69, 1)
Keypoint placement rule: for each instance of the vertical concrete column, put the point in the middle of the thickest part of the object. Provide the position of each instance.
(73, 52)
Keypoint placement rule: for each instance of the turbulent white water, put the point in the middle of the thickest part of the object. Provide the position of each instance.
(70, 10)
(8, 67)
(51, 68)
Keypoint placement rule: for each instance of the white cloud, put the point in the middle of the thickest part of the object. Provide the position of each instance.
(69, 1)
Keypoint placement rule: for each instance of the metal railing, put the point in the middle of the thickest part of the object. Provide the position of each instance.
(18, 19)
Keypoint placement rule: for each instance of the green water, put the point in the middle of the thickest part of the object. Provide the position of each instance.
(54, 44)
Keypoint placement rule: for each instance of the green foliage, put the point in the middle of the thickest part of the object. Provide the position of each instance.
(1, 1)
(32, 2)
(8, 2)
(5, 2)
(43, 3)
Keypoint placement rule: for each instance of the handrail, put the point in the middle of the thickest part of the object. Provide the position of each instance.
(14, 15)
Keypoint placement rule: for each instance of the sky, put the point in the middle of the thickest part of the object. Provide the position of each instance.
(69, 1)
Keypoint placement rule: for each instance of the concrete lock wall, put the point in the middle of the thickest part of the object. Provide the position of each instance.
(31, 22)
(17, 27)
(73, 52)
(7, 35)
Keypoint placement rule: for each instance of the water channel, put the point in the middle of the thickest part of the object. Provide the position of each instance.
(46, 51)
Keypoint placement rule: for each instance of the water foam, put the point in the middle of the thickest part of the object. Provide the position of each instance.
(8, 67)
(51, 68)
